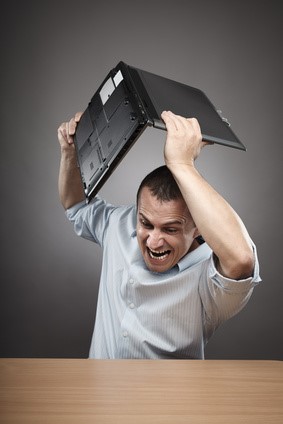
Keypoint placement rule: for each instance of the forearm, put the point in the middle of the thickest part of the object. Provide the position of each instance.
(217, 222)
(70, 184)
(215, 219)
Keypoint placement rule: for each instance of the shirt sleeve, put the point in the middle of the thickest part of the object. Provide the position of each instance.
(222, 297)
(91, 220)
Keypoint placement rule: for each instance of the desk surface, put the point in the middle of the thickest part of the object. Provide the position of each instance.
(82, 391)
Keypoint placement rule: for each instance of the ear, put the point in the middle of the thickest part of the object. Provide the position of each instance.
(196, 233)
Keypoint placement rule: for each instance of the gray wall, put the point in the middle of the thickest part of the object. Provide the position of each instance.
(54, 56)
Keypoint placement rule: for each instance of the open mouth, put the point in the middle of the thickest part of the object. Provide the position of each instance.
(160, 255)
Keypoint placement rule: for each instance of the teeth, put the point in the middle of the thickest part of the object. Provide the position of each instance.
(158, 255)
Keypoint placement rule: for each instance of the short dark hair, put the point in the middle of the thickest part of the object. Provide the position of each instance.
(162, 185)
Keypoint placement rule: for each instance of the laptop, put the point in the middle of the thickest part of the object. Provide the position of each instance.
(124, 105)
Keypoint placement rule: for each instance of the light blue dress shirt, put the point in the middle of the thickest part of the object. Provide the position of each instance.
(146, 315)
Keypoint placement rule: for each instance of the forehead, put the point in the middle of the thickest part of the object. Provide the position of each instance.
(152, 208)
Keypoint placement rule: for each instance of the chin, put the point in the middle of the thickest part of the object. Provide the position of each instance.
(159, 268)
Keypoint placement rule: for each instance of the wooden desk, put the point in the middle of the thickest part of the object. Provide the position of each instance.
(82, 391)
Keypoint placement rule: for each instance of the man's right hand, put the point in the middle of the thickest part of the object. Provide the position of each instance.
(66, 132)
(70, 183)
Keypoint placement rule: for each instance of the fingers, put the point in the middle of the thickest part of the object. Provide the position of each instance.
(176, 125)
(67, 130)
(184, 139)
(78, 116)
(181, 125)
(179, 121)
(207, 143)
(64, 135)
(169, 120)
(72, 124)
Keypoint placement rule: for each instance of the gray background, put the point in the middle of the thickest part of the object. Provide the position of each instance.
(54, 56)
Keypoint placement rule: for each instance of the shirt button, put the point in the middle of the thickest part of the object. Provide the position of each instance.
(131, 281)
(132, 305)
(125, 334)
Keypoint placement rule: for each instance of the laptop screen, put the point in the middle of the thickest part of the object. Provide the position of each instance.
(187, 101)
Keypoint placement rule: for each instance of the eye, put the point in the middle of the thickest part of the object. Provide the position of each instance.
(171, 230)
(145, 224)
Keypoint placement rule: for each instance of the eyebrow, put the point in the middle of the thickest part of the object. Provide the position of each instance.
(166, 224)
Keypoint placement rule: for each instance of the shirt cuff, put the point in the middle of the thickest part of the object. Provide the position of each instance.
(71, 212)
(230, 284)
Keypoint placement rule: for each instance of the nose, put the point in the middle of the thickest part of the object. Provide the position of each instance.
(154, 240)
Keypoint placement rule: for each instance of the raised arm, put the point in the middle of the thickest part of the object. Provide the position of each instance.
(70, 183)
(215, 219)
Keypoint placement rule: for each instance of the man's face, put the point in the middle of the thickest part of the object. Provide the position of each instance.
(165, 231)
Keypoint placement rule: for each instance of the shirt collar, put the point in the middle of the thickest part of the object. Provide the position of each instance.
(192, 258)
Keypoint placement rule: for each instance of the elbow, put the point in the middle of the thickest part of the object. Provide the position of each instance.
(238, 266)
(242, 266)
